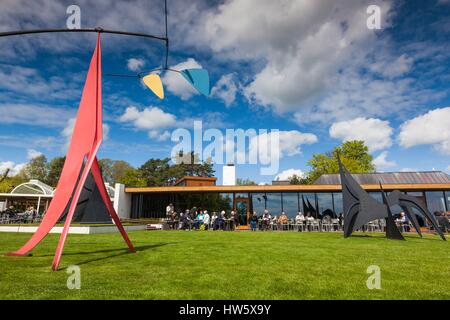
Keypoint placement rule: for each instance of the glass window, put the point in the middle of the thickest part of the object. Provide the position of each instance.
(338, 203)
(226, 202)
(259, 203)
(377, 196)
(308, 203)
(274, 203)
(435, 201)
(290, 204)
(325, 202)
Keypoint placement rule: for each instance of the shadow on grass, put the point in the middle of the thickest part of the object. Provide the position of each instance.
(121, 252)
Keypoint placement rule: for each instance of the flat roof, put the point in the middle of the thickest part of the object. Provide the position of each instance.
(288, 188)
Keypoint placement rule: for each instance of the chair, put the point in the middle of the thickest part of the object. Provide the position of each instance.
(315, 225)
(335, 225)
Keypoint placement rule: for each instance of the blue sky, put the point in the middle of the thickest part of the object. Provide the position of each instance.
(306, 68)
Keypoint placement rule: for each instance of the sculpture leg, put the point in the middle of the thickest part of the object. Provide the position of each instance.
(96, 173)
(72, 207)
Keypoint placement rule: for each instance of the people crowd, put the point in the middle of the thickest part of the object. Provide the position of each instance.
(14, 216)
(201, 219)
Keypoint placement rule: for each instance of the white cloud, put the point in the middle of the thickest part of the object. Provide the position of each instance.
(392, 69)
(290, 143)
(286, 174)
(31, 154)
(302, 43)
(175, 82)
(13, 167)
(375, 132)
(150, 118)
(225, 89)
(382, 163)
(35, 115)
(160, 136)
(431, 128)
(135, 64)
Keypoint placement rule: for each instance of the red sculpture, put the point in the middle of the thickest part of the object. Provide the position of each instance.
(80, 161)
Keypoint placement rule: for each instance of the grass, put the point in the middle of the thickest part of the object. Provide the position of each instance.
(229, 265)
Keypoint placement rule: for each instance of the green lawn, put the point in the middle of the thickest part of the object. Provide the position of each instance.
(229, 265)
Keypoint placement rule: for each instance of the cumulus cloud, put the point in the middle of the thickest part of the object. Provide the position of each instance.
(31, 154)
(289, 144)
(301, 42)
(286, 174)
(135, 64)
(375, 133)
(431, 128)
(225, 89)
(150, 118)
(160, 136)
(381, 162)
(14, 168)
(36, 115)
(175, 83)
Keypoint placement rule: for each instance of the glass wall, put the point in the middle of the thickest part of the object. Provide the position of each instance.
(274, 203)
(308, 204)
(435, 201)
(259, 203)
(338, 204)
(290, 204)
(325, 204)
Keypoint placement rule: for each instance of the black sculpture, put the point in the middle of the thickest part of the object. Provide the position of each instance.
(360, 208)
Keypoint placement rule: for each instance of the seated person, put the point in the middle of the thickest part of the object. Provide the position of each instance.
(186, 220)
(234, 220)
(299, 218)
(266, 219)
(199, 219)
(206, 219)
(219, 223)
(443, 221)
(283, 219)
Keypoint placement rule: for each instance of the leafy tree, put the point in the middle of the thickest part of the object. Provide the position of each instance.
(245, 182)
(296, 179)
(55, 167)
(354, 155)
(132, 178)
(36, 169)
(113, 170)
(10, 183)
(4, 175)
(156, 172)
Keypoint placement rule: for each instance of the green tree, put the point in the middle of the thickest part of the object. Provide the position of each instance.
(113, 170)
(354, 155)
(296, 179)
(245, 182)
(156, 172)
(10, 183)
(37, 168)
(132, 178)
(55, 167)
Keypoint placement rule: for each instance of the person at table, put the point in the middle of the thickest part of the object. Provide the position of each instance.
(185, 220)
(213, 218)
(198, 219)
(309, 221)
(169, 210)
(253, 221)
(219, 221)
(300, 218)
(234, 220)
(282, 220)
(274, 221)
(266, 219)
(403, 221)
(206, 219)
(443, 221)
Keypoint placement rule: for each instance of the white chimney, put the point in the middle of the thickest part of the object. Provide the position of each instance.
(229, 175)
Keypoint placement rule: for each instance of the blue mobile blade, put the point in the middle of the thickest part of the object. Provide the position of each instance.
(198, 78)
